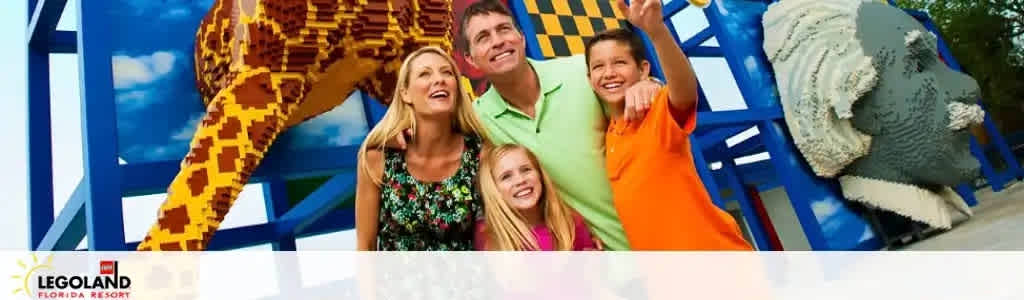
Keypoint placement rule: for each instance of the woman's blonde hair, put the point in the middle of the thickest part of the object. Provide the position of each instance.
(401, 116)
(505, 226)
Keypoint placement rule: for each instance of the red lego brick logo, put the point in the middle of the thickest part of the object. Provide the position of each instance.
(107, 267)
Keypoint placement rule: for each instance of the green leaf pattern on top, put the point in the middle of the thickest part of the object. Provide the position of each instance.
(429, 216)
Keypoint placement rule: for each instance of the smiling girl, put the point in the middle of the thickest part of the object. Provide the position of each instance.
(522, 209)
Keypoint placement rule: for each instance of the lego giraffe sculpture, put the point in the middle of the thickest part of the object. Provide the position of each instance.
(263, 66)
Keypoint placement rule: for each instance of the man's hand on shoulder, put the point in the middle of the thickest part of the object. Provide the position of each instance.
(639, 98)
(400, 141)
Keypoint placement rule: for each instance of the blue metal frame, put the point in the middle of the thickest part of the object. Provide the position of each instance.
(529, 33)
(40, 146)
(43, 17)
(69, 227)
(757, 230)
(275, 195)
(764, 110)
(103, 212)
(154, 177)
(317, 204)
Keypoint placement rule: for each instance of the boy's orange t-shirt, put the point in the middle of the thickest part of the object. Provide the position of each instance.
(661, 201)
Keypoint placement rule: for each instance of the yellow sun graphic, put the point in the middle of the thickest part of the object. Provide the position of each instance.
(29, 269)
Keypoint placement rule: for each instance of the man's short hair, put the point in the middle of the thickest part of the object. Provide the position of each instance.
(479, 8)
(621, 35)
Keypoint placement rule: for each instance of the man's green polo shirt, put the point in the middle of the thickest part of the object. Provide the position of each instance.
(568, 138)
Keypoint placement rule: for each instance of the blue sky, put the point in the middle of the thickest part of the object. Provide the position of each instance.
(153, 84)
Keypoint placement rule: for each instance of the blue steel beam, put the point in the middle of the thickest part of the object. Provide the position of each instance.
(712, 137)
(759, 173)
(40, 146)
(526, 26)
(233, 238)
(43, 21)
(333, 222)
(673, 8)
(259, 234)
(704, 172)
(751, 146)
(737, 27)
(372, 109)
(716, 119)
(154, 177)
(69, 228)
(317, 204)
(63, 42)
(698, 39)
(275, 198)
(801, 186)
(757, 229)
(704, 51)
(103, 211)
(702, 99)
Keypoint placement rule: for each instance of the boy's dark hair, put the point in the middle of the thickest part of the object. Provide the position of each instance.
(622, 35)
(479, 8)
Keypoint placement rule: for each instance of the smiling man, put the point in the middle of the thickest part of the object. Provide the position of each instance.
(549, 107)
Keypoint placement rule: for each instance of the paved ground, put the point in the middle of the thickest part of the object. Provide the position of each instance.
(998, 224)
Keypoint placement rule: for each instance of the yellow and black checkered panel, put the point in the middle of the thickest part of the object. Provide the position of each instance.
(564, 26)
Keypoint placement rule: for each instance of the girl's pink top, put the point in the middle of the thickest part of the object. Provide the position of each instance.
(545, 239)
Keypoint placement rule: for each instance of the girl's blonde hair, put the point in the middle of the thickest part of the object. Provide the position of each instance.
(401, 116)
(505, 226)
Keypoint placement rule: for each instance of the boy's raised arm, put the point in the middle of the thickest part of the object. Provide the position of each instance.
(679, 75)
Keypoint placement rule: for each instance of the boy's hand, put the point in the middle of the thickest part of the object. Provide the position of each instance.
(644, 14)
(639, 98)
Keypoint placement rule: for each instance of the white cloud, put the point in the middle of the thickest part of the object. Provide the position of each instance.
(176, 13)
(343, 125)
(157, 153)
(132, 71)
(824, 209)
(131, 96)
(186, 132)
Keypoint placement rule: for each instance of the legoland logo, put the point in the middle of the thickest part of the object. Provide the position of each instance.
(28, 270)
(109, 284)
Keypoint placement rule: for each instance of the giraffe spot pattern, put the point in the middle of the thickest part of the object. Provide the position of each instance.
(197, 181)
(260, 132)
(255, 92)
(200, 153)
(230, 129)
(266, 47)
(291, 91)
(227, 158)
(175, 219)
(173, 246)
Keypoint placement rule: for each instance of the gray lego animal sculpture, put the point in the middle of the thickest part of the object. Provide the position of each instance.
(866, 98)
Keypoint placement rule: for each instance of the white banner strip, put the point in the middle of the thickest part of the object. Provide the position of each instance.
(507, 275)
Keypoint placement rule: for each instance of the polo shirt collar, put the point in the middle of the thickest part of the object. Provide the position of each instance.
(550, 81)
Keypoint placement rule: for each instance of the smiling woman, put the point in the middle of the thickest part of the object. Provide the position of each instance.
(423, 197)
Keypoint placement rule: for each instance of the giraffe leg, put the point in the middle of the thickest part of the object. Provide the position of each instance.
(240, 124)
